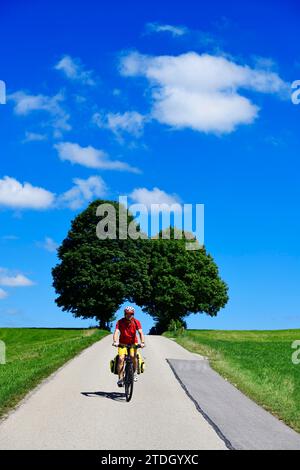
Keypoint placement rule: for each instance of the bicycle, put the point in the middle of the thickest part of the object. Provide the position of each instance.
(128, 370)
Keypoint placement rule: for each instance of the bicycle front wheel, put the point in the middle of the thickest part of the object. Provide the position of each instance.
(128, 381)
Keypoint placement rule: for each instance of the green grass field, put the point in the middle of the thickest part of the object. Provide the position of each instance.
(259, 363)
(33, 354)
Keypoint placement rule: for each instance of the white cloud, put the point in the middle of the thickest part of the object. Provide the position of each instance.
(23, 196)
(166, 28)
(266, 63)
(80, 99)
(18, 280)
(196, 37)
(130, 122)
(155, 196)
(74, 70)
(49, 244)
(34, 137)
(16, 195)
(90, 157)
(51, 105)
(202, 92)
(83, 191)
(3, 294)
(25, 103)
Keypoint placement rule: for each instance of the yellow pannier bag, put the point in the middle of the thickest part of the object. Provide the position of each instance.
(141, 364)
(114, 364)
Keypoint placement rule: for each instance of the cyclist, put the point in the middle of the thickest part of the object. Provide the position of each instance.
(126, 329)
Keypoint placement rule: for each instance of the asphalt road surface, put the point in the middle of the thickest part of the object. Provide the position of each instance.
(81, 407)
(242, 423)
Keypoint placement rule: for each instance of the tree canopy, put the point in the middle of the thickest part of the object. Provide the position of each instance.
(169, 282)
(181, 282)
(95, 276)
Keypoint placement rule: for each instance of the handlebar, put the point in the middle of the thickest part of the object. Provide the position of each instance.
(128, 346)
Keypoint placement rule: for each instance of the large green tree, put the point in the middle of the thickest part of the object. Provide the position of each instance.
(95, 275)
(181, 282)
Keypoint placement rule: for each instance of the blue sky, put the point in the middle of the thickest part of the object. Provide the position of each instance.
(163, 101)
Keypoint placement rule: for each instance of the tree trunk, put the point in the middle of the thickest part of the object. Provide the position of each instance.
(102, 325)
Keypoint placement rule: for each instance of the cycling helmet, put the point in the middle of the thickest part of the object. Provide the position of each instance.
(129, 310)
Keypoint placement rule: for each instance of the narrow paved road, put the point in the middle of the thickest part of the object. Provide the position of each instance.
(81, 407)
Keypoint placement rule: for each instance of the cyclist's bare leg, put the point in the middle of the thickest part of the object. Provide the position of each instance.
(121, 366)
(134, 359)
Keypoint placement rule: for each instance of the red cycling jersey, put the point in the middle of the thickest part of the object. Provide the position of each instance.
(128, 330)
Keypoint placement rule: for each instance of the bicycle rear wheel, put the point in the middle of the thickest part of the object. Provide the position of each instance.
(128, 381)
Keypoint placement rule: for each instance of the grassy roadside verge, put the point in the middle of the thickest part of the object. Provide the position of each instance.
(33, 354)
(259, 363)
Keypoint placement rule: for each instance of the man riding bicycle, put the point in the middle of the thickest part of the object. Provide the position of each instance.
(126, 329)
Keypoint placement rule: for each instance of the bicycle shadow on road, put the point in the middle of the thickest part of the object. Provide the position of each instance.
(116, 396)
